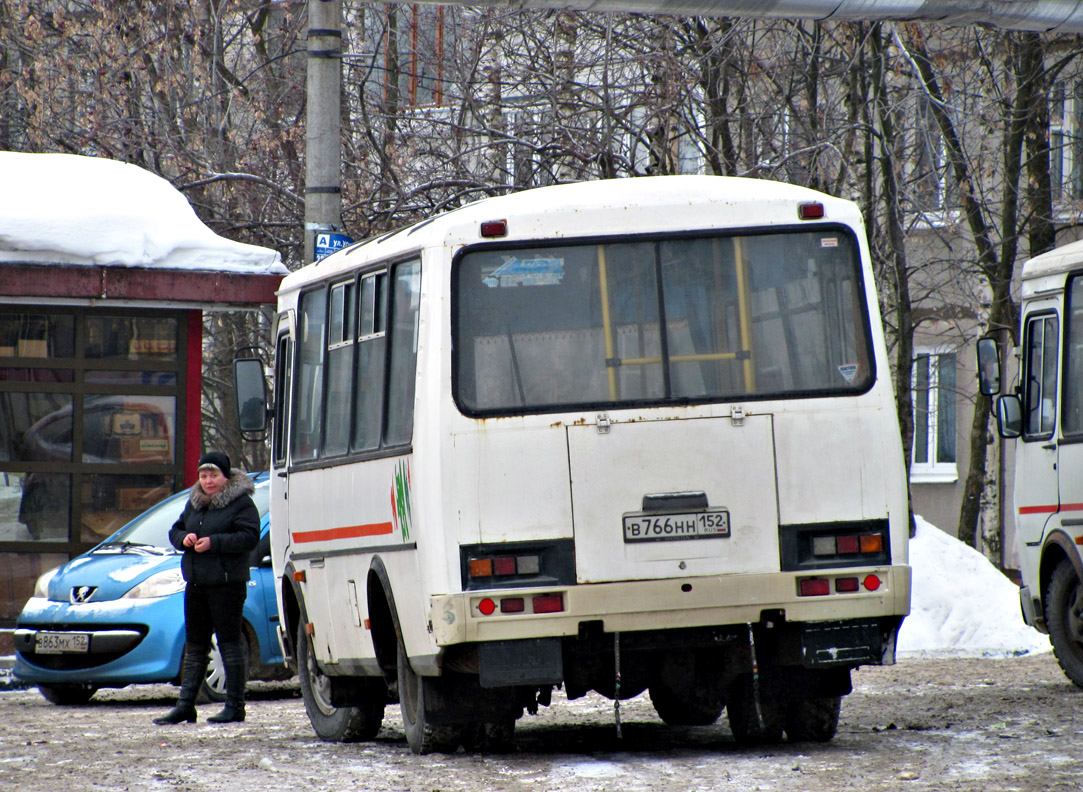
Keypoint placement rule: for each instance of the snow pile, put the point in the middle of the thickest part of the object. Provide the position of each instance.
(64, 208)
(961, 605)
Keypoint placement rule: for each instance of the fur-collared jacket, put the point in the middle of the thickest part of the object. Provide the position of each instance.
(231, 520)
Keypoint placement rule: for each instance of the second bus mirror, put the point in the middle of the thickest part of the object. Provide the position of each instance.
(250, 386)
(1009, 411)
(988, 366)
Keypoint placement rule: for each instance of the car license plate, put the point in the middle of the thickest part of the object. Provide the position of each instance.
(61, 643)
(654, 527)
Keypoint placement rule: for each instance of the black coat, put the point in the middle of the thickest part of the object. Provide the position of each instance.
(231, 520)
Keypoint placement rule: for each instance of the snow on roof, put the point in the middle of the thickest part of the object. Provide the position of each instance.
(69, 209)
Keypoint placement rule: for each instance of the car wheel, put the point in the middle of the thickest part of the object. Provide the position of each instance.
(1064, 609)
(213, 689)
(336, 724)
(422, 735)
(67, 695)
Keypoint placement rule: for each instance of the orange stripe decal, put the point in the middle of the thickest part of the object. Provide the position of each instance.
(346, 532)
(1038, 509)
(1064, 507)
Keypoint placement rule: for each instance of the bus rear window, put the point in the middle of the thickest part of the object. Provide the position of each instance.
(548, 328)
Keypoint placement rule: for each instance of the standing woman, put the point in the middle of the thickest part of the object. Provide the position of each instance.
(217, 531)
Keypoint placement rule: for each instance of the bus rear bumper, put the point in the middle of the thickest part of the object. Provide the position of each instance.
(634, 606)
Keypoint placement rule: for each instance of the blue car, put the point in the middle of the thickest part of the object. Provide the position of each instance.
(114, 616)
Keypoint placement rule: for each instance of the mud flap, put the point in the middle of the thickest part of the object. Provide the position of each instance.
(534, 661)
(849, 643)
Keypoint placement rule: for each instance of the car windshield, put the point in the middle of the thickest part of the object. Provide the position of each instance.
(151, 528)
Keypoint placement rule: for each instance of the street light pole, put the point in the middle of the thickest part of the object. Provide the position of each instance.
(323, 146)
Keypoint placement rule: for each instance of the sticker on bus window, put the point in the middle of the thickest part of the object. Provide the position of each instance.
(829, 242)
(516, 271)
(848, 372)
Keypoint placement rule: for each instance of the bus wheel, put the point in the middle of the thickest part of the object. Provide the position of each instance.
(687, 689)
(331, 723)
(1064, 605)
(813, 719)
(752, 724)
(490, 736)
(422, 736)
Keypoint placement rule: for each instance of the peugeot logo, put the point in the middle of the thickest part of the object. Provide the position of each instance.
(82, 593)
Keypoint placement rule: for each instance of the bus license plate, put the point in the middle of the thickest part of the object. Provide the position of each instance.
(711, 524)
(61, 643)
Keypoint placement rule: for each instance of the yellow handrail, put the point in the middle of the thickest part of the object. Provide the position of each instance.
(607, 328)
(745, 311)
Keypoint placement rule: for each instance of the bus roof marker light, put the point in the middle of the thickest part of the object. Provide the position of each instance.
(494, 228)
(811, 211)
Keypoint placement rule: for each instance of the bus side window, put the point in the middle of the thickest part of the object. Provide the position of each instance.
(405, 304)
(371, 351)
(1072, 409)
(308, 407)
(283, 395)
(1040, 386)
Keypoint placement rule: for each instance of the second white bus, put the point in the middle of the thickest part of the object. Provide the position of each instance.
(621, 436)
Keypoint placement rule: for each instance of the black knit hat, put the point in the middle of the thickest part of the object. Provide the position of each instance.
(215, 459)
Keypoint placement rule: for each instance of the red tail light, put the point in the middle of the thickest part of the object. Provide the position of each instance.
(548, 603)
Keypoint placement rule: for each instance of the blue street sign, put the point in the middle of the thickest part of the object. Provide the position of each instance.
(326, 244)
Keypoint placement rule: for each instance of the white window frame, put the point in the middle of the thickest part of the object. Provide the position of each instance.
(933, 471)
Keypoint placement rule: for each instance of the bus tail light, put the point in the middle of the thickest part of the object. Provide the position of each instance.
(548, 603)
(814, 587)
(539, 603)
(808, 547)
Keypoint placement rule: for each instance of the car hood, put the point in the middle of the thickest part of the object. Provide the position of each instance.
(110, 575)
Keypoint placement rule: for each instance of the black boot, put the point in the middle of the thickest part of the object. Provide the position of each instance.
(193, 670)
(235, 662)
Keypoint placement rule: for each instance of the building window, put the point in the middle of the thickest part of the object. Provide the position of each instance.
(415, 54)
(934, 458)
(929, 183)
(1066, 140)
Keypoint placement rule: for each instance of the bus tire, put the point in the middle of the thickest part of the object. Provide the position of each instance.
(752, 725)
(1064, 606)
(422, 736)
(335, 724)
(492, 737)
(688, 690)
(813, 719)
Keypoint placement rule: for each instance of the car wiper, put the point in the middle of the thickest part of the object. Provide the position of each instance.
(135, 547)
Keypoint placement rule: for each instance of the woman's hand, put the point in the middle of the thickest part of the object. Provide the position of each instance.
(200, 545)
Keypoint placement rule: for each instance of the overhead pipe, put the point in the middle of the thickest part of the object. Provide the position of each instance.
(1045, 16)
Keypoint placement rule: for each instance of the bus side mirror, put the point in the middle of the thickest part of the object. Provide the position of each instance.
(988, 367)
(1009, 412)
(250, 386)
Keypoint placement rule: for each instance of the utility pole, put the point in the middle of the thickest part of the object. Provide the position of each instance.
(323, 134)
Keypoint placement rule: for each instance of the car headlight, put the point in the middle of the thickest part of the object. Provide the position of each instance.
(161, 584)
(41, 587)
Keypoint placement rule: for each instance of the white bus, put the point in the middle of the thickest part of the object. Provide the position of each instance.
(621, 436)
(1044, 412)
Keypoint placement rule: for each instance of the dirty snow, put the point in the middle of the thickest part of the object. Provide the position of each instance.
(961, 605)
(64, 208)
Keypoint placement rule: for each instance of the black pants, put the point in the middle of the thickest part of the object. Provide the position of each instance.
(217, 609)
